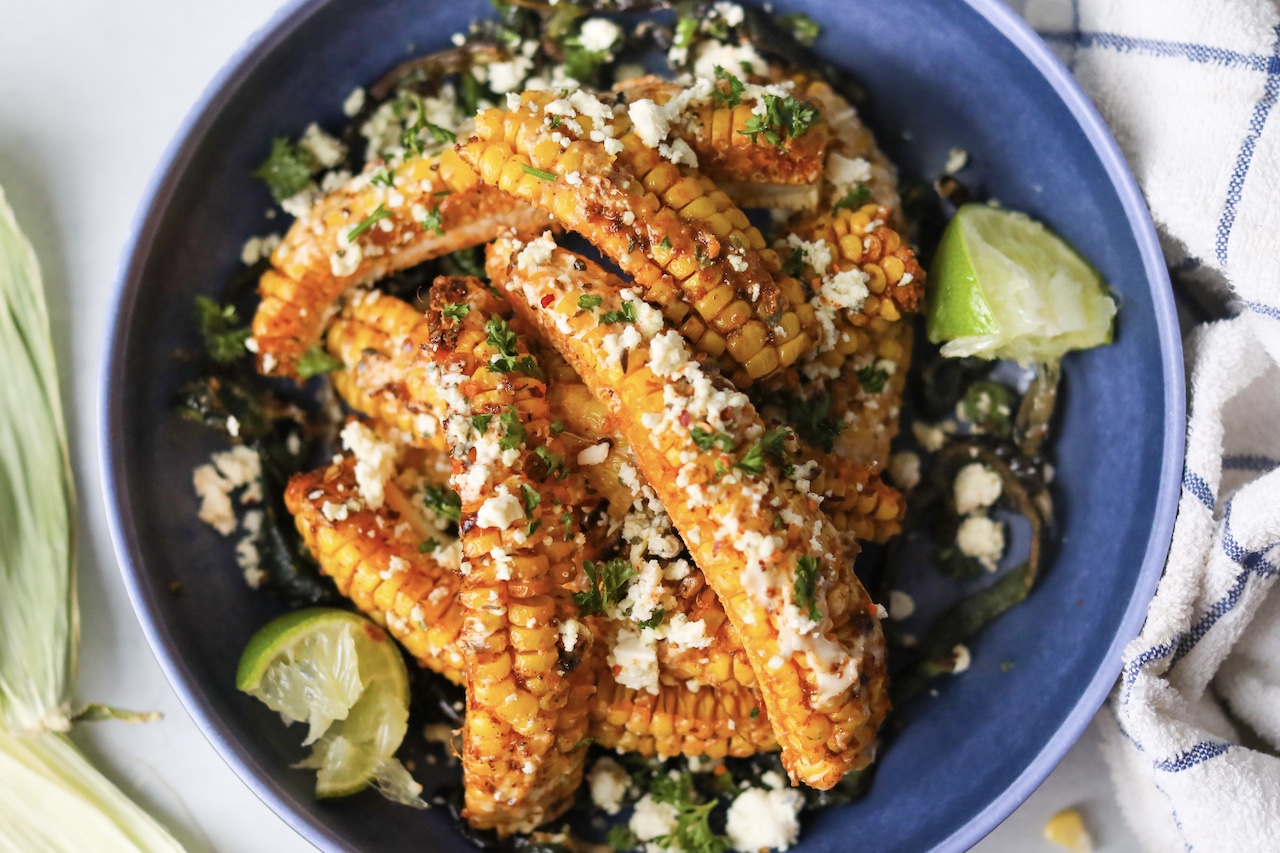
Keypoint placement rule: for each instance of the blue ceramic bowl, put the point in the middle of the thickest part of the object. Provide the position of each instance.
(942, 73)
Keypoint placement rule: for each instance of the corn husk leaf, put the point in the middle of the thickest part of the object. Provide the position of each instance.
(56, 801)
(51, 798)
(39, 623)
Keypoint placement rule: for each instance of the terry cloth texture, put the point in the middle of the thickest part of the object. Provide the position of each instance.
(1189, 88)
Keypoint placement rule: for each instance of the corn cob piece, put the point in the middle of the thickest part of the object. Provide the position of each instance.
(376, 338)
(869, 418)
(375, 557)
(809, 628)
(727, 151)
(688, 247)
(872, 277)
(527, 699)
(728, 720)
(364, 231)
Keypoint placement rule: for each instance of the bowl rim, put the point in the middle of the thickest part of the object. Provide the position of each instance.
(145, 597)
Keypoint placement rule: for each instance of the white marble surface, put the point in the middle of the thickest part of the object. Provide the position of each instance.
(90, 94)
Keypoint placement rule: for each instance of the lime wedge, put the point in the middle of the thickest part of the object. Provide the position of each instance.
(343, 676)
(1004, 286)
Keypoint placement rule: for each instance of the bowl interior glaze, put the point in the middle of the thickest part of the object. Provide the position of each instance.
(942, 74)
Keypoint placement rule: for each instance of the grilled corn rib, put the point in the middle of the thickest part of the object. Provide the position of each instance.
(872, 277)
(727, 151)
(376, 338)
(364, 231)
(869, 418)
(527, 701)
(859, 504)
(729, 720)
(375, 557)
(688, 247)
(809, 629)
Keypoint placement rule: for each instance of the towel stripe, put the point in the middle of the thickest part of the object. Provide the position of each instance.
(1198, 53)
(1196, 485)
(1245, 158)
(1263, 309)
(1187, 759)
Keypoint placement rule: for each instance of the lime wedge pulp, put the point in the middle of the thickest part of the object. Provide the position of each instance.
(1004, 286)
(343, 676)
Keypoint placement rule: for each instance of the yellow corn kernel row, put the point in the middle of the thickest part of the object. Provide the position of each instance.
(408, 223)
(375, 558)
(726, 720)
(863, 240)
(766, 550)
(682, 240)
(726, 152)
(527, 704)
(871, 420)
(860, 505)
(376, 338)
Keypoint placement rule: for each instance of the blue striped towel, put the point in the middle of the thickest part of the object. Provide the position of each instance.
(1189, 88)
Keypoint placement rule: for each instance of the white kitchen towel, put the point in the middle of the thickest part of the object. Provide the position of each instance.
(1189, 88)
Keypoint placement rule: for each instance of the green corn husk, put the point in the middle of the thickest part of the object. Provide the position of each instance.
(51, 798)
(39, 621)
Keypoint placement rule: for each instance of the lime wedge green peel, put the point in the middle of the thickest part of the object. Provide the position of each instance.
(344, 677)
(1005, 286)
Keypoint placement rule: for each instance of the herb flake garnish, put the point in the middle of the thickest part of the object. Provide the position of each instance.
(433, 221)
(223, 339)
(805, 588)
(706, 440)
(501, 338)
(316, 361)
(607, 581)
(444, 502)
(872, 378)
(379, 213)
(589, 302)
(626, 314)
(656, 619)
(513, 434)
(538, 173)
(287, 170)
(531, 499)
(854, 199)
(805, 29)
(455, 311)
(784, 118)
(731, 94)
(771, 444)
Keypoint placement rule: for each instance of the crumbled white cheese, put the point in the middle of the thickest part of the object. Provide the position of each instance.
(846, 172)
(354, 103)
(257, 248)
(734, 58)
(500, 511)
(635, 656)
(594, 455)
(214, 482)
(375, 461)
(846, 289)
(508, 76)
(617, 344)
(901, 605)
(648, 319)
(651, 122)
(817, 253)
(574, 178)
(983, 539)
(608, 783)
(904, 469)
(668, 354)
(247, 556)
(963, 658)
(652, 819)
(678, 629)
(737, 262)
(569, 630)
(730, 13)
(931, 438)
(502, 564)
(599, 34)
(765, 818)
(334, 511)
(976, 487)
(537, 253)
(327, 150)
(678, 152)
(345, 260)
(957, 159)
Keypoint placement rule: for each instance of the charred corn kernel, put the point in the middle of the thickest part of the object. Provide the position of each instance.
(769, 577)
(378, 562)
(859, 504)
(398, 226)
(527, 697)
(667, 226)
(727, 720)
(725, 153)
(376, 338)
